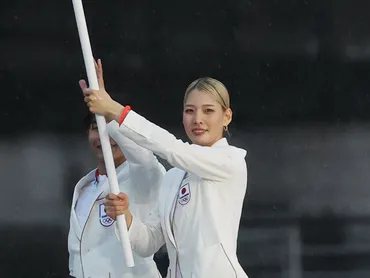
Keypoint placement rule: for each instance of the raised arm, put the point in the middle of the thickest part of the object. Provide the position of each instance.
(146, 171)
(214, 163)
(134, 153)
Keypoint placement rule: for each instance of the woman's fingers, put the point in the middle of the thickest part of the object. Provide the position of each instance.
(111, 196)
(99, 73)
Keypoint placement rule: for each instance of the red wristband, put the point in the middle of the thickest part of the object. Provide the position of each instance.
(124, 113)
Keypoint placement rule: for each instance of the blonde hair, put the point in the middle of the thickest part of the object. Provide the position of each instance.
(211, 86)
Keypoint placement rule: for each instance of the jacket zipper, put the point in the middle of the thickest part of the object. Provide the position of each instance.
(173, 232)
(87, 220)
(176, 257)
(222, 246)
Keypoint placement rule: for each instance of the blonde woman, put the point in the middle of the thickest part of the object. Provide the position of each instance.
(200, 200)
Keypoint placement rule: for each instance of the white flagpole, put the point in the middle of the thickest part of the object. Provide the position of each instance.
(102, 126)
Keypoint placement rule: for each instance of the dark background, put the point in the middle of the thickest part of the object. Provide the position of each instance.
(297, 72)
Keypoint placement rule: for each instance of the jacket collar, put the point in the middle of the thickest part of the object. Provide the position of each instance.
(221, 142)
(97, 175)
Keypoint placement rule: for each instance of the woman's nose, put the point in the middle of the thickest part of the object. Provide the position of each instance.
(198, 117)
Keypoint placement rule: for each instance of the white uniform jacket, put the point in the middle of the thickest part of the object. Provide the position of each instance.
(208, 186)
(95, 251)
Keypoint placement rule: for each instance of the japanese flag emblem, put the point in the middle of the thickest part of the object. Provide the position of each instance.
(184, 194)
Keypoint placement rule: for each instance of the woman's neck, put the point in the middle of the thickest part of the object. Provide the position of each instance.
(103, 170)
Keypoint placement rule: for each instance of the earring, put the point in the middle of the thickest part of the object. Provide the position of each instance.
(226, 128)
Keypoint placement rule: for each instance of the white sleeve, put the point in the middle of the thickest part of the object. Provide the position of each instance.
(146, 171)
(146, 238)
(206, 162)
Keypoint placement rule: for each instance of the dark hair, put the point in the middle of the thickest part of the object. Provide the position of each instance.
(89, 119)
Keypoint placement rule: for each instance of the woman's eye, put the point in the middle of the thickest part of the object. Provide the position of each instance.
(188, 110)
(209, 110)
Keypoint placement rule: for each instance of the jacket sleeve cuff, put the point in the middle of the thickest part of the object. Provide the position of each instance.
(131, 231)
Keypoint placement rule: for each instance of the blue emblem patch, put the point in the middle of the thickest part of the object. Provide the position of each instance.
(104, 219)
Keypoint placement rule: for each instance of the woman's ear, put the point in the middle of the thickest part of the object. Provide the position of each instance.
(228, 116)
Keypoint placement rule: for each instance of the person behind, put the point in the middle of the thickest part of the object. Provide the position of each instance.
(200, 200)
(94, 249)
